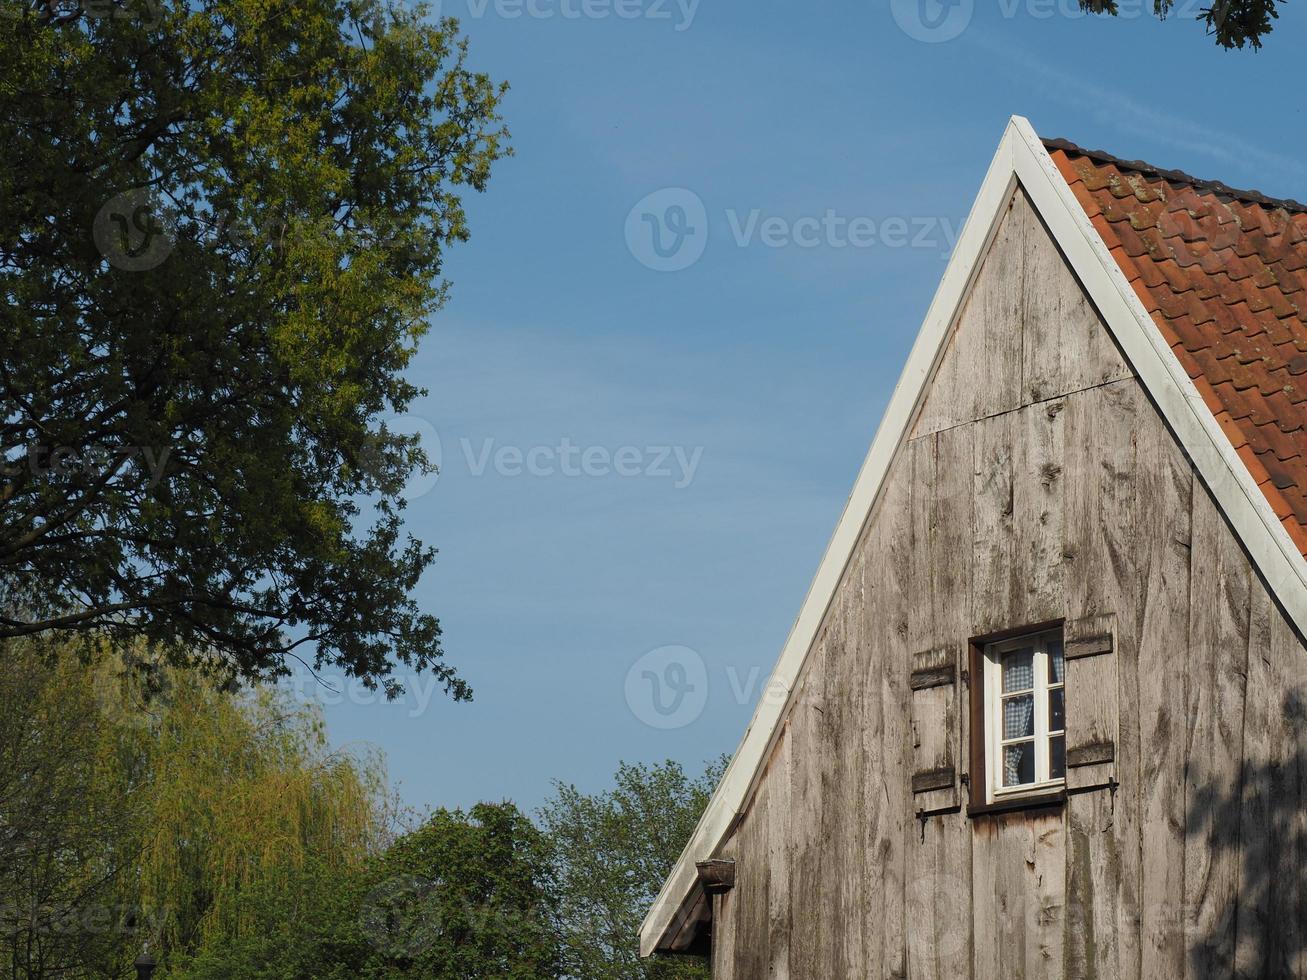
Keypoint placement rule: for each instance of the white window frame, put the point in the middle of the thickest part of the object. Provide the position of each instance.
(994, 741)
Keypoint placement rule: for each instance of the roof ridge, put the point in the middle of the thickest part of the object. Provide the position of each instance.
(1179, 176)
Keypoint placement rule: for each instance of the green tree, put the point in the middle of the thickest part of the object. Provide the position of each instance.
(466, 896)
(141, 803)
(612, 851)
(1232, 23)
(221, 241)
(247, 795)
(72, 813)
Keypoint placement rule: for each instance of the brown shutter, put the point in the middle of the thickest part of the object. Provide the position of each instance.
(936, 730)
(1092, 712)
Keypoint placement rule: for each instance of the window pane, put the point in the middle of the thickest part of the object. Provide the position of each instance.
(1057, 758)
(1019, 764)
(1056, 710)
(1056, 663)
(1019, 716)
(1018, 670)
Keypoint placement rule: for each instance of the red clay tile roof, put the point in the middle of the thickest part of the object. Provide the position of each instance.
(1224, 274)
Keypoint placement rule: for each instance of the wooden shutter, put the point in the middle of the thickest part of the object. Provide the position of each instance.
(936, 730)
(1092, 712)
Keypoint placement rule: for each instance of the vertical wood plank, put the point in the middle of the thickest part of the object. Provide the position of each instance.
(1163, 500)
(1287, 944)
(939, 885)
(835, 920)
(1065, 346)
(779, 834)
(1253, 805)
(808, 904)
(987, 337)
(856, 767)
(993, 552)
(891, 628)
(1271, 924)
(1218, 661)
(1038, 513)
(1100, 536)
(751, 885)
(723, 938)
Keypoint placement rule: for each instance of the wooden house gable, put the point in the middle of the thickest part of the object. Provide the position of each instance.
(1040, 464)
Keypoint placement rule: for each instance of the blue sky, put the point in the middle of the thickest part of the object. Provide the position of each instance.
(641, 468)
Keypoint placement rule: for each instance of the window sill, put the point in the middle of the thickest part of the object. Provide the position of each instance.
(1045, 799)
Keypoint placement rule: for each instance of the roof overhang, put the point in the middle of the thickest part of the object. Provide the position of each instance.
(680, 908)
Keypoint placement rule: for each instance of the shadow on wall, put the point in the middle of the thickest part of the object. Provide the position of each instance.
(1255, 834)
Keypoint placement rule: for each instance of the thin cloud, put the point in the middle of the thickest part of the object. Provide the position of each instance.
(1130, 116)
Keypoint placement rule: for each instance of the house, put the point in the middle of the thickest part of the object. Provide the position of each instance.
(1043, 712)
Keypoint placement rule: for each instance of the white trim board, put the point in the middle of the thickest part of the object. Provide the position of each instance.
(1021, 158)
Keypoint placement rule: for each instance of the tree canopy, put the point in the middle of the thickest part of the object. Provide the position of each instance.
(221, 241)
(1232, 23)
(612, 852)
(140, 804)
(137, 808)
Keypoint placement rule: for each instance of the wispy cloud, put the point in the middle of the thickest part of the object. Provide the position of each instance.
(1123, 112)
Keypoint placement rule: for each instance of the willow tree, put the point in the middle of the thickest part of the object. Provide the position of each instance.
(222, 238)
(141, 803)
(72, 817)
(246, 795)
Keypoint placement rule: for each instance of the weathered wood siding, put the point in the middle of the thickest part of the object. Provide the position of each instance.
(1039, 484)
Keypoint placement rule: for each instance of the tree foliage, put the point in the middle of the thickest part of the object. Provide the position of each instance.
(465, 896)
(221, 241)
(246, 793)
(613, 850)
(141, 804)
(1232, 23)
(72, 816)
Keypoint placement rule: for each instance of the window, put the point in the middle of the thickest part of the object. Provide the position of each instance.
(1025, 715)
